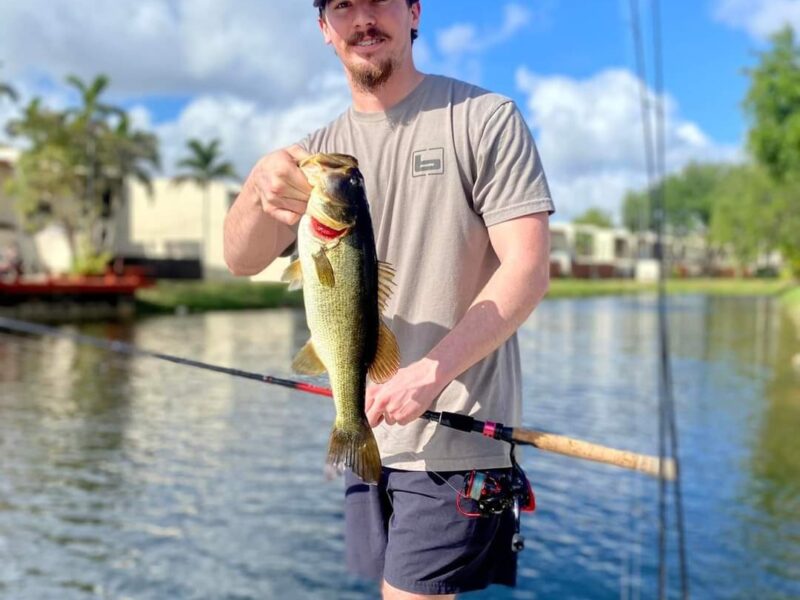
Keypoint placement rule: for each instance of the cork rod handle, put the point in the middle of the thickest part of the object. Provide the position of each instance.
(567, 446)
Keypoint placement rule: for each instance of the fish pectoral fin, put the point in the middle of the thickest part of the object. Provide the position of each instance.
(324, 268)
(307, 361)
(387, 356)
(293, 275)
(386, 274)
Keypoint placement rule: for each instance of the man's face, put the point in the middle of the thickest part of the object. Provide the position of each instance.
(371, 37)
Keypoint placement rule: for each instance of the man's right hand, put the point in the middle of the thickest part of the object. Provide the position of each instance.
(280, 186)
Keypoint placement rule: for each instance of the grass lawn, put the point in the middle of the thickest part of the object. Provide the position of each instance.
(791, 300)
(229, 295)
(572, 288)
(214, 295)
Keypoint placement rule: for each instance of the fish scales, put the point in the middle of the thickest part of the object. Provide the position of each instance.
(344, 287)
(343, 321)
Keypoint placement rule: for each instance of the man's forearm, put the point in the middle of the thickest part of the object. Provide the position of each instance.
(252, 239)
(505, 302)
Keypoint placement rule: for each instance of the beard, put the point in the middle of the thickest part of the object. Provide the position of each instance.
(371, 77)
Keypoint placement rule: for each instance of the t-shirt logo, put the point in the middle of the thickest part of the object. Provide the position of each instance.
(427, 162)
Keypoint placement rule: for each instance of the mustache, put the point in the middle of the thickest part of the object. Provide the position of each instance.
(372, 32)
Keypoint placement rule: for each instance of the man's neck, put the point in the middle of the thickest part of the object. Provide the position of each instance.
(400, 84)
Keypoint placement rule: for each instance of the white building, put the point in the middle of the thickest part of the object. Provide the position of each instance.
(183, 224)
(178, 223)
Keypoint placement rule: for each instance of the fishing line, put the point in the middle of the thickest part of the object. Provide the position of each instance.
(656, 172)
(542, 440)
(662, 292)
(131, 350)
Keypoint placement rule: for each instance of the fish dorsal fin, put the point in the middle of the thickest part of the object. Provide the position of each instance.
(386, 275)
(387, 356)
(324, 268)
(293, 275)
(307, 361)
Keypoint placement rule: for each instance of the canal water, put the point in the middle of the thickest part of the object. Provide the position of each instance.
(135, 478)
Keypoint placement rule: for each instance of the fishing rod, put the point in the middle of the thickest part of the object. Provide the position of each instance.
(542, 440)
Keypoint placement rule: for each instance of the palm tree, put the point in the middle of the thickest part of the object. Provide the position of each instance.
(77, 161)
(204, 165)
(92, 110)
(125, 154)
(7, 90)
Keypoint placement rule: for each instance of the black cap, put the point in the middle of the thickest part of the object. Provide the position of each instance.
(319, 3)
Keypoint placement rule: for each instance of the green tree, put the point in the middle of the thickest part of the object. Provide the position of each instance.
(75, 166)
(688, 200)
(124, 154)
(45, 180)
(203, 165)
(773, 106)
(7, 90)
(744, 213)
(595, 216)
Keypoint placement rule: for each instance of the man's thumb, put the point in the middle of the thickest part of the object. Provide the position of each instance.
(297, 153)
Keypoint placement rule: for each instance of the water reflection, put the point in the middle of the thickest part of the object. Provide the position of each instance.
(131, 477)
(774, 491)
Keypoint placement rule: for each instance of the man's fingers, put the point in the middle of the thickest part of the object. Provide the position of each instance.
(405, 419)
(296, 178)
(374, 418)
(287, 217)
(369, 397)
(296, 206)
(299, 186)
(375, 411)
(297, 153)
(374, 414)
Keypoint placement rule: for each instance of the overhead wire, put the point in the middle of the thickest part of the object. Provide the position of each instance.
(669, 397)
(655, 157)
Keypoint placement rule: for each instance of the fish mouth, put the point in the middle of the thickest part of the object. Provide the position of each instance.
(329, 213)
(326, 229)
(317, 166)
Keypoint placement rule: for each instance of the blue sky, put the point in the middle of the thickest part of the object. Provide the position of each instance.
(256, 74)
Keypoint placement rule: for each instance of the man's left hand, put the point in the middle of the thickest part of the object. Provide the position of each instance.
(405, 396)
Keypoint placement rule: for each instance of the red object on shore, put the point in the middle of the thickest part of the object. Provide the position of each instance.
(46, 287)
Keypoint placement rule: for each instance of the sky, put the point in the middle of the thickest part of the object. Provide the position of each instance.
(257, 75)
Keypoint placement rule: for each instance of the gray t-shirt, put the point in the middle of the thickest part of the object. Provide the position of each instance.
(440, 167)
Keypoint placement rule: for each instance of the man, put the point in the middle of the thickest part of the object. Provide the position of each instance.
(460, 208)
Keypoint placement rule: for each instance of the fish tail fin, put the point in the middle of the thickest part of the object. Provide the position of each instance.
(356, 450)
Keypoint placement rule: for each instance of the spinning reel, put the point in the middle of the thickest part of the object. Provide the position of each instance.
(494, 493)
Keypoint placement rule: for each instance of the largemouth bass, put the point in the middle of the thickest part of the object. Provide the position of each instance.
(345, 288)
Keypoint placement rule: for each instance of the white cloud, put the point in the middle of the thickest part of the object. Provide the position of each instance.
(257, 75)
(456, 50)
(246, 130)
(250, 48)
(759, 18)
(464, 38)
(589, 133)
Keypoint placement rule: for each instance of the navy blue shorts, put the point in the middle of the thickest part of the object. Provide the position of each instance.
(408, 531)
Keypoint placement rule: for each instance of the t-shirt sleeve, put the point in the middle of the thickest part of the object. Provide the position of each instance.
(510, 181)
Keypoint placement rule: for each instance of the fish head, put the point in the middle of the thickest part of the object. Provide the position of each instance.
(338, 187)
